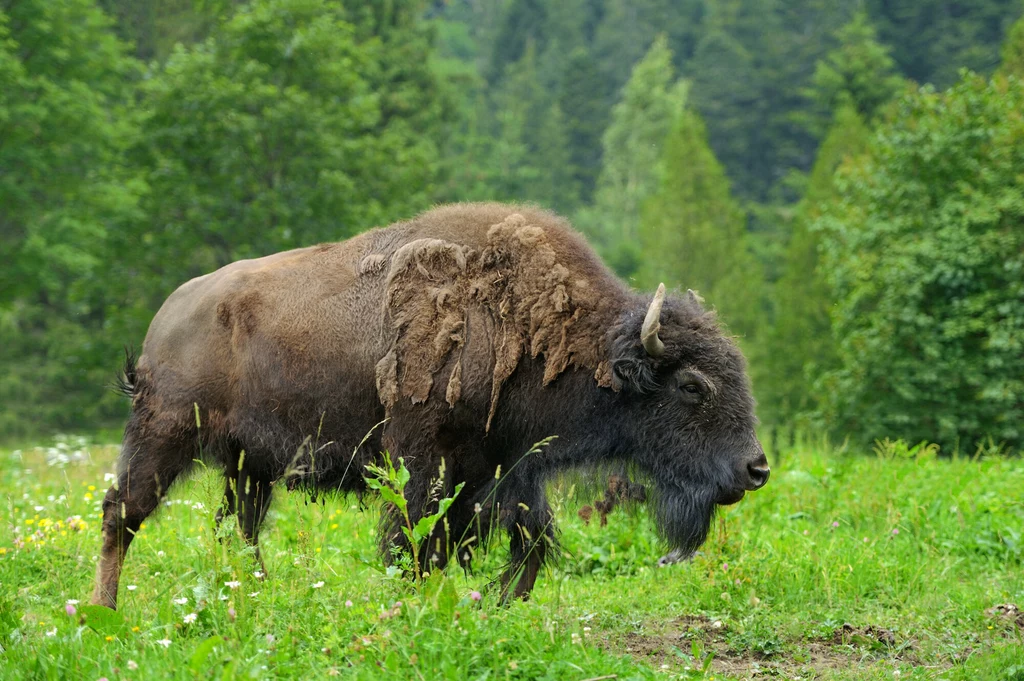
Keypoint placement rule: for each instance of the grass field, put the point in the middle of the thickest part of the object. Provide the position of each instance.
(886, 565)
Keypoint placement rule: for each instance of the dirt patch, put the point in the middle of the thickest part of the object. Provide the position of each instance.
(875, 638)
(1007, 613)
(673, 645)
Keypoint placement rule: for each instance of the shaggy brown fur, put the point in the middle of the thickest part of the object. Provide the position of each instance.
(457, 340)
(517, 278)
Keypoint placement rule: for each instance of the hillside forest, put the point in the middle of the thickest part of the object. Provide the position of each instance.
(842, 181)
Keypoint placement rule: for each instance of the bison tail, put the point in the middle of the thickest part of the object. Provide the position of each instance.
(126, 382)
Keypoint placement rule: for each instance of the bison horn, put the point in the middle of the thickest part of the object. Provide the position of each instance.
(652, 324)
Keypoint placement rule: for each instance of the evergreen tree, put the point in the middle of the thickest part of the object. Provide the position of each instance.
(582, 101)
(747, 71)
(692, 231)
(932, 40)
(523, 25)
(632, 144)
(859, 72)
(1013, 51)
(629, 27)
(801, 336)
(530, 158)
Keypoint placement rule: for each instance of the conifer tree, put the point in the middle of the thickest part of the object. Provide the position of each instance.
(858, 72)
(692, 231)
(1013, 51)
(633, 144)
(801, 335)
(582, 101)
(530, 159)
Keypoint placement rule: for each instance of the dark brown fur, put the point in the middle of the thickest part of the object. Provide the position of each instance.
(472, 331)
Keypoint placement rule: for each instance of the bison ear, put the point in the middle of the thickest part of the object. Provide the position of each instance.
(634, 375)
(694, 298)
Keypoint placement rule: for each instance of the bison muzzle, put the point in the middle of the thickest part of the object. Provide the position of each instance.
(467, 334)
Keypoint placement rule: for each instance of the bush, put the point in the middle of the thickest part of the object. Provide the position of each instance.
(923, 248)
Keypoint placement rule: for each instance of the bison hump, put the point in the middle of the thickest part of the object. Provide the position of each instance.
(536, 302)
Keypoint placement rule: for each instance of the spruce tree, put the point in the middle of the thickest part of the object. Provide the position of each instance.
(633, 143)
(692, 231)
(801, 337)
(1013, 51)
(582, 102)
(858, 72)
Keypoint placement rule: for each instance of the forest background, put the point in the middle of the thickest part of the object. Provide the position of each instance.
(843, 181)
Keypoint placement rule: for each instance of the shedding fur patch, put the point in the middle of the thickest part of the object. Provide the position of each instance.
(373, 263)
(536, 304)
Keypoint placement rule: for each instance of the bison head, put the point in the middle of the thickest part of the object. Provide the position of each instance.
(689, 412)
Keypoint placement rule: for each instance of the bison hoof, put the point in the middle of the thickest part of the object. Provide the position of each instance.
(676, 556)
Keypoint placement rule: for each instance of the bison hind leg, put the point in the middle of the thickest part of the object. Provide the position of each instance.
(153, 455)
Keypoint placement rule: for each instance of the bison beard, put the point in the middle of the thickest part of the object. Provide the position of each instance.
(684, 518)
(471, 332)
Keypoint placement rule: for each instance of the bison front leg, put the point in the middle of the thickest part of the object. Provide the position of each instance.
(532, 535)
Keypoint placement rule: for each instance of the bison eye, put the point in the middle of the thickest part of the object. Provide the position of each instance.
(691, 389)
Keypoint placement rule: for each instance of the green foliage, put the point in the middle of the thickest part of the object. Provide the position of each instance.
(748, 70)
(65, 123)
(581, 102)
(932, 40)
(858, 73)
(629, 27)
(924, 253)
(289, 126)
(800, 340)
(1013, 51)
(632, 143)
(692, 231)
(390, 483)
(259, 126)
(154, 27)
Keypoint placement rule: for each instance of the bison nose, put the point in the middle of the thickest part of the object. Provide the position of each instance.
(758, 475)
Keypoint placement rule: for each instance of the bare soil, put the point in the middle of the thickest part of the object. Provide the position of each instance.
(660, 644)
(1007, 613)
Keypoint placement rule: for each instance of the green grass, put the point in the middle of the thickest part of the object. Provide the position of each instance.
(843, 567)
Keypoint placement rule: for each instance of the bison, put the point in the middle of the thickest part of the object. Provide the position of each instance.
(467, 334)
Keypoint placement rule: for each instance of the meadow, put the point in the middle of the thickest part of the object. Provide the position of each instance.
(892, 564)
